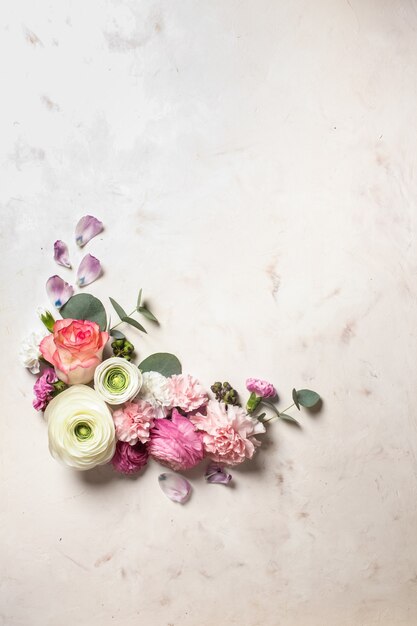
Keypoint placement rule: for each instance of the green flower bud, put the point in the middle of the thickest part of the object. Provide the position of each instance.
(253, 402)
(46, 318)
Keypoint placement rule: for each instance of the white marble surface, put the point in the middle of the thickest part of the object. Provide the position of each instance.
(255, 167)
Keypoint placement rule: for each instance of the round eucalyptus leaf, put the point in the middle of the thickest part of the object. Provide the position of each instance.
(84, 306)
(162, 362)
(307, 398)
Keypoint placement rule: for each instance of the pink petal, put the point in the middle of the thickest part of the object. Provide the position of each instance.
(175, 487)
(59, 291)
(61, 253)
(215, 473)
(87, 228)
(89, 270)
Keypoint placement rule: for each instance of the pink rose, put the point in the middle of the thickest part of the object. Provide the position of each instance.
(187, 392)
(176, 443)
(261, 388)
(129, 459)
(228, 435)
(134, 421)
(74, 348)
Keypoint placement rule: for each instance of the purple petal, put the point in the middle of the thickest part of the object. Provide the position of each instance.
(59, 291)
(87, 228)
(175, 487)
(215, 473)
(89, 270)
(61, 253)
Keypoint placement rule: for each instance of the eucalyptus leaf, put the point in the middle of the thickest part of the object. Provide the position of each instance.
(289, 418)
(307, 398)
(139, 300)
(117, 334)
(295, 398)
(132, 322)
(148, 314)
(162, 362)
(261, 417)
(84, 306)
(119, 309)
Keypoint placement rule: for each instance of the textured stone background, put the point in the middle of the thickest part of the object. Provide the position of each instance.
(255, 166)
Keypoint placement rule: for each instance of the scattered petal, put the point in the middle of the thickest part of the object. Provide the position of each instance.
(175, 487)
(87, 228)
(89, 270)
(61, 255)
(216, 473)
(59, 291)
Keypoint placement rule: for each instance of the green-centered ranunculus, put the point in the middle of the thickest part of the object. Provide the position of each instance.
(80, 428)
(117, 380)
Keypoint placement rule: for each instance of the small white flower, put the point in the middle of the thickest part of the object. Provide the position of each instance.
(29, 353)
(155, 390)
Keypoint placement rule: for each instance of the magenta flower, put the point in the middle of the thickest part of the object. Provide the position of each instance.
(175, 443)
(129, 459)
(87, 228)
(88, 271)
(261, 388)
(61, 255)
(59, 291)
(44, 389)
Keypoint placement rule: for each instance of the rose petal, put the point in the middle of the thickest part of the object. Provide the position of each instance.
(87, 228)
(89, 270)
(216, 473)
(61, 255)
(175, 487)
(59, 291)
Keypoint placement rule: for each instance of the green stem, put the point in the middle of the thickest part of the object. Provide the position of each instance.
(273, 407)
(121, 321)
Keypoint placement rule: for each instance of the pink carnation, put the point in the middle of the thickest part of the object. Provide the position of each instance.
(228, 435)
(134, 421)
(186, 392)
(175, 443)
(262, 388)
(44, 389)
(129, 459)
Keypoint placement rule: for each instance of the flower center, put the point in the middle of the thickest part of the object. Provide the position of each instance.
(116, 380)
(83, 431)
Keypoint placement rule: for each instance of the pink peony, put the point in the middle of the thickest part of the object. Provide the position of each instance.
(44, 389)
(187, 392)
(129, 459)
(175, 443)
(262, 388)
(75, 348)
(134, 421)
(228, 435)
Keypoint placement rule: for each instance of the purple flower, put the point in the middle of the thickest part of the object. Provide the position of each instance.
(87, 228)
(58, 291)
(129, 459)
(89, 270)
(216, 473)
(261, 388)
(61, 253)
(44, 389)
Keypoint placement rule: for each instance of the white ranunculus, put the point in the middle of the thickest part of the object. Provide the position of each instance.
(80, 428)
(117, 380)
(155, 390)
(29, 352)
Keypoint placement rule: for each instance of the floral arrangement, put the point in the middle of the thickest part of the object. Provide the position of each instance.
(103, 409)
